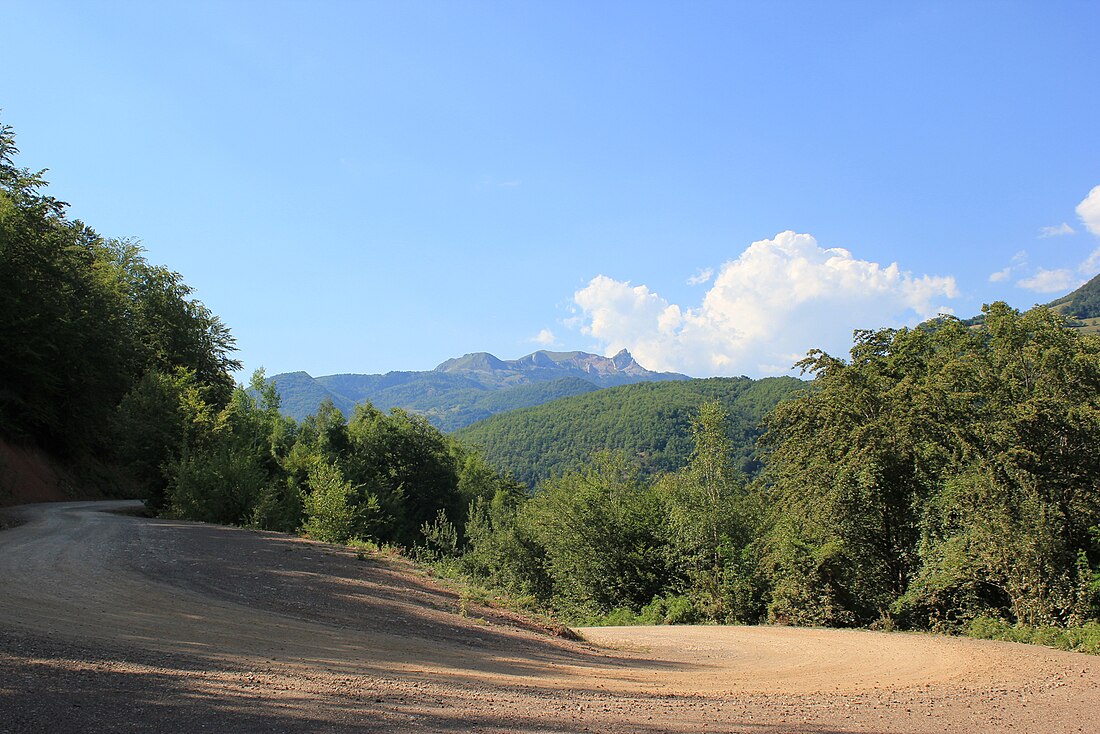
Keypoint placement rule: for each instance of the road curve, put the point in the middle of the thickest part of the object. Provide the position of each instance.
(113, 622)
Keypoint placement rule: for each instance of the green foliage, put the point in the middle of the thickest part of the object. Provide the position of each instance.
(808, 583)
(332, 514)
(600, 533)
(226, 465)
(942, 474)
(606, 544)
(649, 422)
(669, 609)
(440, 536)
(384, 478)
(220, 484)
(1085, 638)
(847, 466)
(280, 506)
(408, 464)
(501, 551)
(709, 523)
(160, 416)
(86, 323)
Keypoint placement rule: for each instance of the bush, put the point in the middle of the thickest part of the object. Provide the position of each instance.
(670, 609)
(220, 485)
(330, 512)
(1085, 638)
(440, 537)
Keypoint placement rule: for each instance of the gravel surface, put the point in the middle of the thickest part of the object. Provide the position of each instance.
(111, 622)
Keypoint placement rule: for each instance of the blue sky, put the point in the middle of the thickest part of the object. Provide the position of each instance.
(716, 186)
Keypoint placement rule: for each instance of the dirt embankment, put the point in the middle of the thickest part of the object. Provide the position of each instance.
(117, 623)
(29, 475)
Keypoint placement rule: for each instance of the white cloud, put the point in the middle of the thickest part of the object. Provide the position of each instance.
(703, 276)
(1062, 279)
(1050, 281)
(1089, 211)
(780, 297)
(1019, 260)
(545, 337)
(1091, 264)
(1056, 231)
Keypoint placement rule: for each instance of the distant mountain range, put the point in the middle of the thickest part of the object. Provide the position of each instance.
(467, 389)
(471, 388)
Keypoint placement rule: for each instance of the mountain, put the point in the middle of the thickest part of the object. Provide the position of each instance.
(300, 394)
(650, 421)
(467, 389)
(1082, 305)
(541, 366)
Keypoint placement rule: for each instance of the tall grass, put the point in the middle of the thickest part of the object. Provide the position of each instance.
(1075, 639)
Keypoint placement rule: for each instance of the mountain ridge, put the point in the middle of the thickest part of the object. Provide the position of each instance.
(466, 389)
(592, 365)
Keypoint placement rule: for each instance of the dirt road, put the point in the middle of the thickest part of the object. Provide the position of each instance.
(110, 622)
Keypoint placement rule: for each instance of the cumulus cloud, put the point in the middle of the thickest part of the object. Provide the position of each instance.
(703, 276)
(545, 337)
(1089, 211)
(1050, 281)
(1059, 230)
(779, 298)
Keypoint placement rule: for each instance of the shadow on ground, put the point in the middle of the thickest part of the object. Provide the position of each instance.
(47, 684)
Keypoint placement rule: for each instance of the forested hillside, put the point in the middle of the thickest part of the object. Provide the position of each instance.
(448, 402)
(1082, 305)
(85, 323)
(650, 422)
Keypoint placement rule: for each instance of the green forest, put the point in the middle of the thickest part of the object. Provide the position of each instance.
(944, 477)
(939, 475)
(650, 422)
(93, 335)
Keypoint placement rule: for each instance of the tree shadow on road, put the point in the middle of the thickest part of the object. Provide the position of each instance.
(51, 684)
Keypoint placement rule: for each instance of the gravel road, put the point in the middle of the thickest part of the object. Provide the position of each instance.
(111, 622)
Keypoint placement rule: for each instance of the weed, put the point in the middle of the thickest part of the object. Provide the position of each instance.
(1085, 638)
